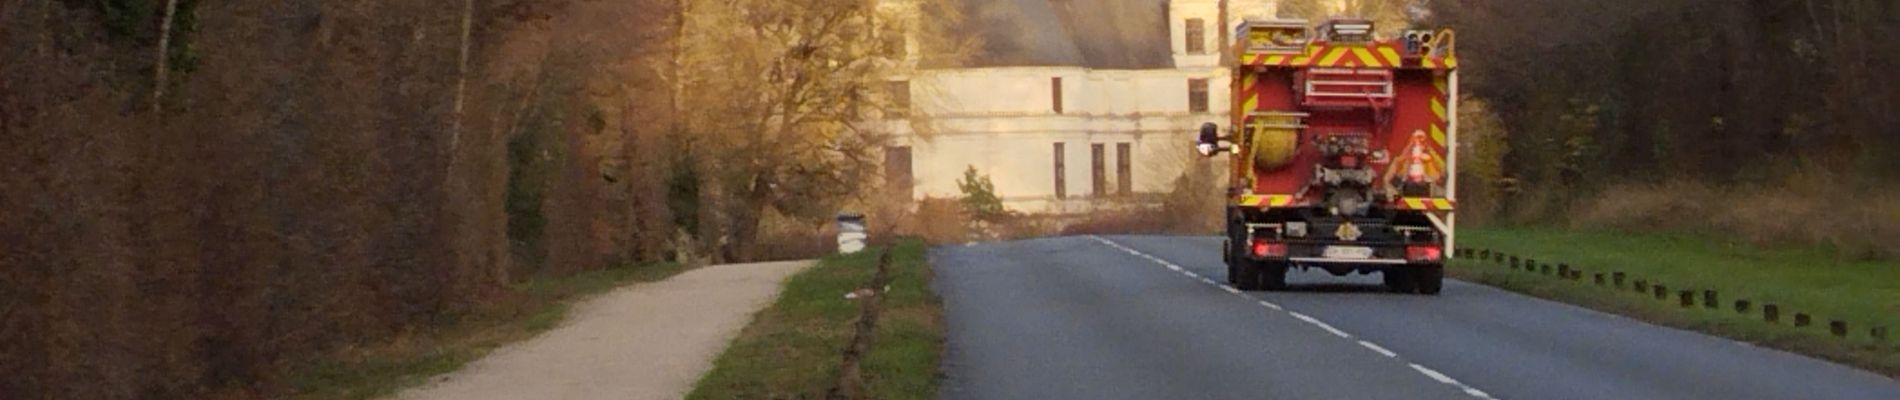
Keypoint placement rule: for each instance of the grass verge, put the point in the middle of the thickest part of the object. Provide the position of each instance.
(533, 306)
(1816, 281)
(793, 348)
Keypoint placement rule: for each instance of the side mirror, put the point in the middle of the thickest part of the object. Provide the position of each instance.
(1209, 142)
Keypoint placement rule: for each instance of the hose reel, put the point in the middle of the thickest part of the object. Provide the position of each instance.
(1274, 138)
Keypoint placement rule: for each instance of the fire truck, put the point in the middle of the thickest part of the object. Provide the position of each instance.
(1343, 156)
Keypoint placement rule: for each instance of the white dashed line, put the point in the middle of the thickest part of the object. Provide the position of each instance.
(1320, 324)
(1275, 307)
(1428, 372)
(1434, 374)
(1376, 348)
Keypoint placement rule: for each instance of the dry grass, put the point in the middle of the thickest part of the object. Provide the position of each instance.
(1803, 210)
(793, 348)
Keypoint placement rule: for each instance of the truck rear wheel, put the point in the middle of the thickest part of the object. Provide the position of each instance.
(1273, 275)
(1430, 279)
(1244, 274)
(1400, 280)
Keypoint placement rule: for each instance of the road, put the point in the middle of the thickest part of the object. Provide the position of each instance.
(1134, 317)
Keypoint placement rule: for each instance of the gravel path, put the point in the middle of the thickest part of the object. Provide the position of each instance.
(646, 341)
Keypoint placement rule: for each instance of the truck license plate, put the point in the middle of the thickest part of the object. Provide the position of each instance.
(1349, 252)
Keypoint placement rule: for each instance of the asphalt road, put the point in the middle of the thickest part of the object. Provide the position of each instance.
(1140, 317)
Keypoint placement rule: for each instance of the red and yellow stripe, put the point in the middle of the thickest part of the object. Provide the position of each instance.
(1440, 112)
(1425, 204)
(1377, 55)
(1270, 201)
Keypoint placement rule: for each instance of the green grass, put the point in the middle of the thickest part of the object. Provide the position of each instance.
(531, 307)
(1812, 280)
(793, 348)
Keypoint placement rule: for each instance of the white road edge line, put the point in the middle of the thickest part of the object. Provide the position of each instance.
(1434, 374)
(1428, 372)
(1474, 392)
(1320, 324)
(1376, 348)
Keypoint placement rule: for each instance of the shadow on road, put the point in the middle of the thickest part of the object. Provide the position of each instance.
(1336, 288)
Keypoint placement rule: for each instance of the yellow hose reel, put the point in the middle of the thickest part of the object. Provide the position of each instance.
(1274, 138)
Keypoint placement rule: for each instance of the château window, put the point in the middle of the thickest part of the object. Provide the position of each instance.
(1099, 169)
(1062, 185)
(1197, 95)
(899, 92)
(1055, 93)
(897, 173)
(1124, 168)
(1196, 36)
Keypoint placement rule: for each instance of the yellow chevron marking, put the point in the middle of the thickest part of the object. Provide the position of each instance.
(1442, 204)
(1332, 57)
(1451, 61)
(1438, 135)
(1438, 108)
(1366, 57)
(1444, 86)
(1275, 59)
(1274, 200)
(1253, 97)
(1428, 62)
(1415, 204)
(1391, 57)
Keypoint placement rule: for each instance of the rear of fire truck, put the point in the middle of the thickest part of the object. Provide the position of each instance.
(1343, 153)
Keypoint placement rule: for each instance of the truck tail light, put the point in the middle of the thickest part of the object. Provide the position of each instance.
(1263, 248)
(1424, 253)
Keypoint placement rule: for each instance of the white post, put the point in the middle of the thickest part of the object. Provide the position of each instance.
(1451, 114)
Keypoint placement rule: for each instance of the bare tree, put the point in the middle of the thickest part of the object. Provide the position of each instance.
(161, 62)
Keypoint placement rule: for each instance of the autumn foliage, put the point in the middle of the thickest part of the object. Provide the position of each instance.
(1740, 118)
(325, 175)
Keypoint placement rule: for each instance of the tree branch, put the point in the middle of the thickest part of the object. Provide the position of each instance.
(160, 60)
(461, 83)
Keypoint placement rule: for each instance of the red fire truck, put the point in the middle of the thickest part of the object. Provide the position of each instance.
(1343, 153)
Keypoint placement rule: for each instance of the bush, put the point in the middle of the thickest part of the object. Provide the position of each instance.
(1805, 209)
